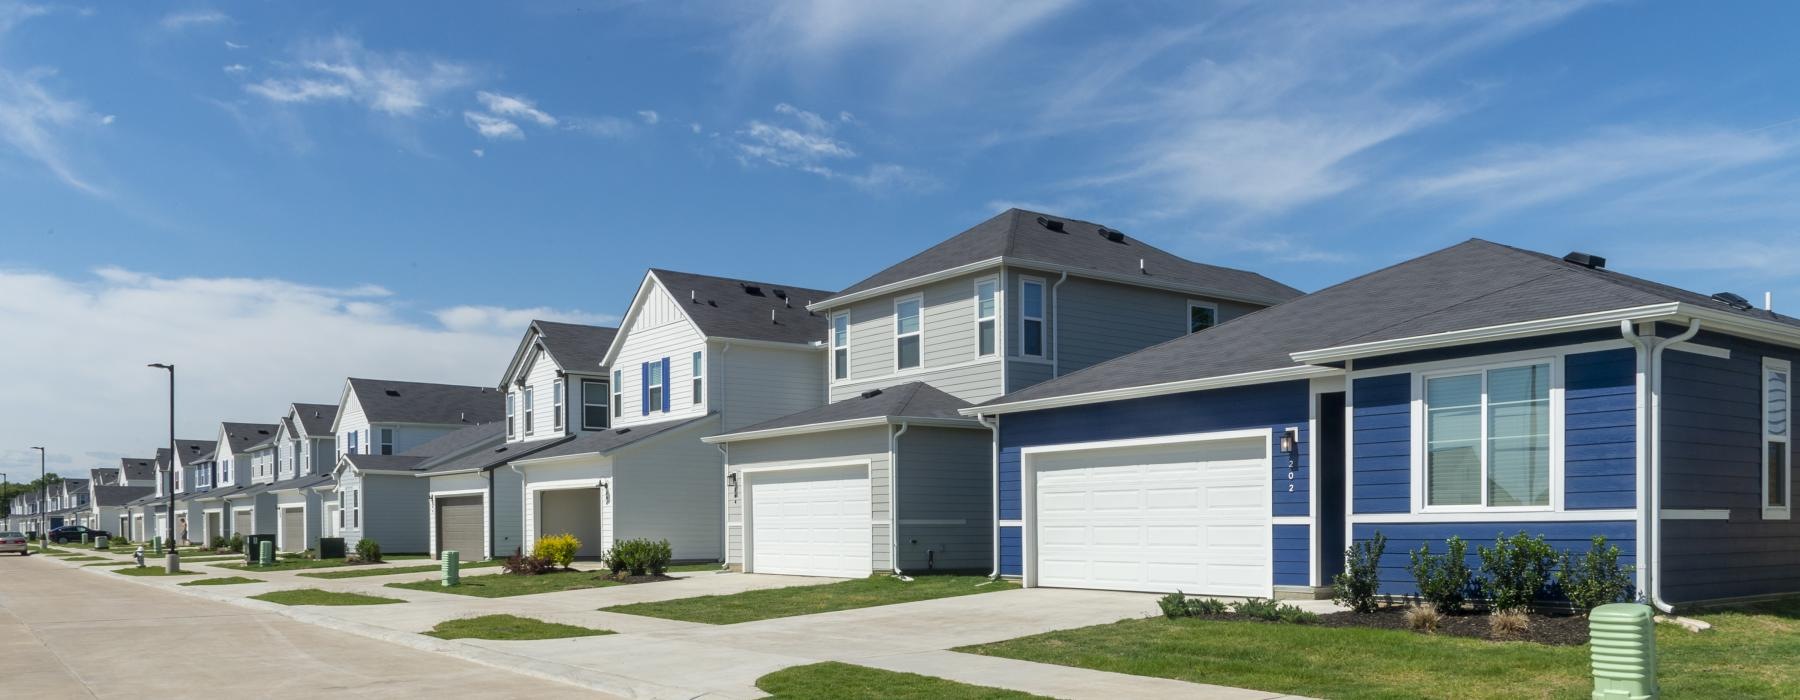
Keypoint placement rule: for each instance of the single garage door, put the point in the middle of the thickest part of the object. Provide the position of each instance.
(459, 526)
(240, 524)
(1191, 516)
(293, 530)
(810, 522)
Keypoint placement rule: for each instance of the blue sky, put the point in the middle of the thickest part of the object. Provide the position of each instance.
(277, 195)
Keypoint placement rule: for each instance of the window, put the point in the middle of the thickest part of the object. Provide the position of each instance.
(618, 394)
(593, 404)
(387, 441)
(340, 509)
(356, 508)
(353, 435)
(365, 440)
(511, 430)
(1031, 314)
(699, 379)
(906, 332)
(556, 404)
(654, 388)
(840, 346)
(1778, 483)
(1488, 438)
(985, 291)
(1202, 315)
(530, 411)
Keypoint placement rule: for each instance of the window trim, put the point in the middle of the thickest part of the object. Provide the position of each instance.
(1772, 365)
(993, 316)
(530, 405)
(1421, 374)
(697, 364)
(618, 394)
(1196, 303)
(920, 333)
(657, 389)
(605, 403)
(512, 404)
(1043, 326)
(386, 436)
(557, 405)
(840, 369)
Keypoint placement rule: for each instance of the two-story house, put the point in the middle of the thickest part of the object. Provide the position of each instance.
(382, 499)
(135, 471)
(229, 505)
(190, 456)
(556, 388)
(301, 493)
(889, 476)
(695, 355)
(108, 492)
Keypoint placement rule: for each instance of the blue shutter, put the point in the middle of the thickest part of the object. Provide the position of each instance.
(666, 387)
(645, 386)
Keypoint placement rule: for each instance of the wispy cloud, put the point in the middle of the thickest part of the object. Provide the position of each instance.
(178, 21)
(493, 127)
(236, 69)
(805, 141)
(234, 46)
(649, 116)
(340, 68)
(514, 107)
(34, 122)
(499, 319)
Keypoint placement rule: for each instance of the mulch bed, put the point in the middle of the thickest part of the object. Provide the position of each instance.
(623, 577)
(1555, 630)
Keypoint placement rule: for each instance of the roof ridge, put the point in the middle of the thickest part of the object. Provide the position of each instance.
(739, 280)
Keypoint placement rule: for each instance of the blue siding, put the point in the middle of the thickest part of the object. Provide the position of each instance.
(1012, 560)
(1293, 552)
(1403, 538)
(1600, 430)
(1381, 444)
(1539, 342)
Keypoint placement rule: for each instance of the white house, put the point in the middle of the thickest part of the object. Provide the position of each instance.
(301, 491)
(229, 506)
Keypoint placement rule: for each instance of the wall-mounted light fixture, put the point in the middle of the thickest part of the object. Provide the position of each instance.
(732, 481)
(1290, 440)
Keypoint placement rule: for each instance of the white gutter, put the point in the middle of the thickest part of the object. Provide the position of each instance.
(1650, 446)
(994, 491)
(894, 500)
(725, 522)
(1138, 392)
(1505, 331)
(1056, 327)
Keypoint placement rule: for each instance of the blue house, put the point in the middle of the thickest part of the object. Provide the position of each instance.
(1476, 391)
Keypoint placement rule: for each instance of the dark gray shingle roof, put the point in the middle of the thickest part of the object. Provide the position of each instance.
(316, 418)
(138, 468)
(910, 400)
(193, 451)
(605, 441)
(1016, 233)
(729, 308)
(241, 437)
(496, 453)
(301, 482)
(114, 495)
(389, 401)
(577, 348)
(443, 448)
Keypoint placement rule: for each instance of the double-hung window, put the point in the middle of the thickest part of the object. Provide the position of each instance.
(530, 410)
(907, 336)
(618, 394)
(512, 400)
(352, 440)
(1488, 438)
(1778, 454)
(387, 441)
(593, 404)
(840, 346)
(556, 404)
(985, 311)
(1202, 315)
(699, 381)
(654, 402)
(1031, 317)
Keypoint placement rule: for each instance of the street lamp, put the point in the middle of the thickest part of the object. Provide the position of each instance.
(43, 498)
(173, 565)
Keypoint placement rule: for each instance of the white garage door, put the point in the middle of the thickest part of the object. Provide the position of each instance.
(811, 522)
(1192, 516)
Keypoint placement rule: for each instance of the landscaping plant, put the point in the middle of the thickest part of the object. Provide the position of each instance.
(1265, 609)
(368, 550)
(526, 564)
(1508, 623)
(1356, 586)
(557, 549)
(1177, 604)
(1596, 578)
(236, 543)
(1443, 580)
(1423, 617)
(639, 557)
(1515, 571)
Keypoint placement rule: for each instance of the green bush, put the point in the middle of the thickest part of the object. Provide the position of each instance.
(639, 557)
(368, 550)
(1264, 609)
(236, 543)
(1515, 571)
(1596, 578)
(557, 549)
(1356, 587)
(218, 543)
(1443, 580)
(526, 564)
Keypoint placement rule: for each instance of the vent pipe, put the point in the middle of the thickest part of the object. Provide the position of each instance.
(1141, 266)
(693, 297)
(1769, 301)
(771, 315)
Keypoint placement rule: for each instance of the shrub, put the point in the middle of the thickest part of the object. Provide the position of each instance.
(1362, 575)
(1177, 604)
(1596, 578)
(1423, 617)
(526, 564)
(1206, 606)
(368, 550)
(236, 543)
(1443, 580)
(1508, 623)
(218, 543)
(1515, 571)
(639, 556)
(1264, 609)
(557, 549)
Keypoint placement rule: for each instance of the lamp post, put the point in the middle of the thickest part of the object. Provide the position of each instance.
(43, 498)
(173, 564)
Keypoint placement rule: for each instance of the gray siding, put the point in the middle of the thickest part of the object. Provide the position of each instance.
(946, 502)
(948, 357)
(1103, 320)
(395, 513)
(508, 521)
(869, 444)
(670, 488)
(750, 385)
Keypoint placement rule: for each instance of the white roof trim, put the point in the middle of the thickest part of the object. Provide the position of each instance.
(830, 426)
(770, 344)
(1139, 392)
(651, 282)
(1505, 331)
(980, 265)
(1735, 324)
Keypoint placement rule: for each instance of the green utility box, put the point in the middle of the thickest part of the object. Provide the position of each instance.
(253, 547)
(266, 553)
(331, 548)
(156, 546)
(1623, 647)
(452, 569)
(102, 542)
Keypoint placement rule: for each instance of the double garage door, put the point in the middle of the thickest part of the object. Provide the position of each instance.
(1192, 516)
(810, 522)
(459, 520)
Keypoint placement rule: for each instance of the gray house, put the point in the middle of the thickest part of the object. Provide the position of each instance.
(305, 452)
(381, 498)
(229, 508)
(888, 476)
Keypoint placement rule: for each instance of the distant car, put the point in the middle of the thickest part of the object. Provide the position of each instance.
(72, 533)
(14, 542)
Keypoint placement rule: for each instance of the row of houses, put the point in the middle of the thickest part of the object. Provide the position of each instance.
(1053, 400)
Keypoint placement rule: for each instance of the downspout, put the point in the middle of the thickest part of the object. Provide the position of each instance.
(894, 500)
(993, 426)
(725, 522)
(493, 514)
(1649, 495)
(523, 497)
(1056, 326)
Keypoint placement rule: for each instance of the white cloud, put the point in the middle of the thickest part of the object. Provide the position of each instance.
(309, 339)
(512, 106)
(34, 122)
(178, 21)
(649, 116)
(478, 152)
(501, 320)
(809, 144)
(694, 127)
(340, 68)
(493, 127)
(299, 90)
(108, 119)
(11, 14)
(236, 68)
(604, 127)
(234, 46)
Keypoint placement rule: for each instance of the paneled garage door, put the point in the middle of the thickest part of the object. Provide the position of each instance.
(459, 526)
(240, 524)
(810, 522)
(293, 530)
(1190, 516)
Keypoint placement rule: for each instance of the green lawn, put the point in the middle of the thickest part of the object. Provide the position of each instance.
(301, 564)
(1754, 652)
(832, 680)
(148, 570)
(314, 596)
(703, 566)
(361, 571)
(221, 581)
(807, 600)
(508, 627)
(87, 558)
(508, 585)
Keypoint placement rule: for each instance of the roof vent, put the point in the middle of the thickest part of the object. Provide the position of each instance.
(1050, 223)
(394, 393)
(1733, 301)
(872, 393)
(1113, 235)
(753, 290)
(693, 297)
(1587, 260)
(463, 416)
(771, 316)
(779, 293)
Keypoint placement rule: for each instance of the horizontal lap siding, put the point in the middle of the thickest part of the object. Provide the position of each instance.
(1293, 554)
(944, 480)
(1381, 444)
(1600, 430)
(1403, 538)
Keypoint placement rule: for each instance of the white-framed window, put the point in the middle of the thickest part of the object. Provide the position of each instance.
(1201, 315)
(909, 340)
(654, 399)
(1778, 451)
(987, 332)
(365, 441)
(593, 404)
(340, 510)
(512, 400)
(618, 394)
(1031, 317)
(356, 508)
(556, 404)
(530, 410)
(387, 441)
(1488, 441)
(353, 440)
(699, 381)
(840, 345)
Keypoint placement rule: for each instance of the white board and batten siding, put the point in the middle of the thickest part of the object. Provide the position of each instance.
(541, 376)
(948, 353)
(659, 330)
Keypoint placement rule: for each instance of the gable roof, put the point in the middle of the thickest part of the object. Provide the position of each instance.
(390, 401)
(115, 495)
(137, 468)
(607, 441)
(315, 418)
(916, 401)
(445, 447)
(102, 476)
(241, 437)
(493, 453)
(193, 451)
(574, 347)
(1472, 285)
(722, 307)
(1026, 237)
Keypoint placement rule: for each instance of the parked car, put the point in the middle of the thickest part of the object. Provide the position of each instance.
(14, 542)
(73, 533)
